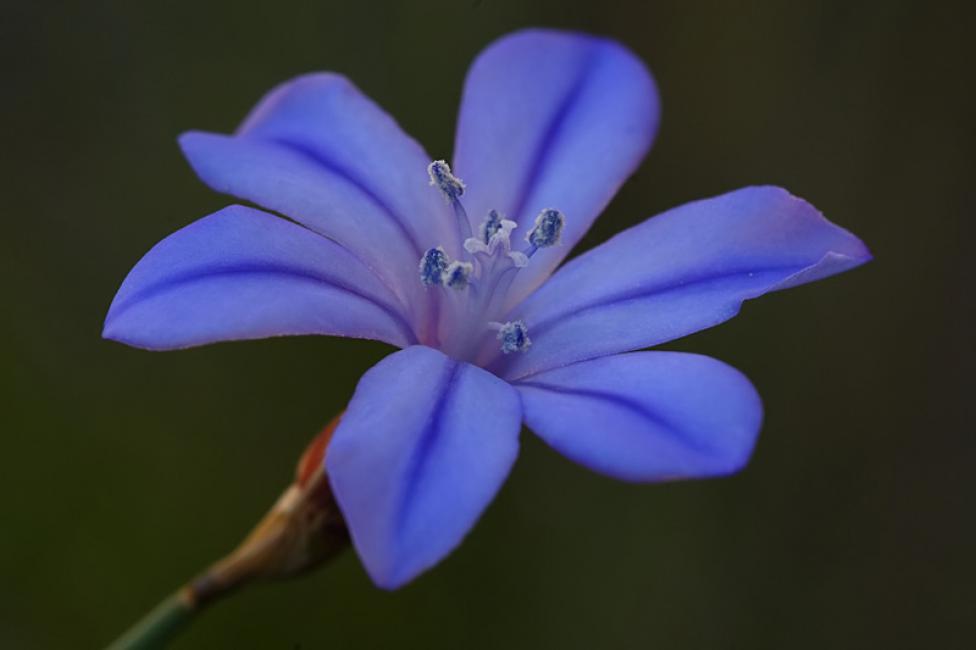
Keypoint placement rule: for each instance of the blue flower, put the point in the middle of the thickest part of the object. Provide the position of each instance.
(492, 334)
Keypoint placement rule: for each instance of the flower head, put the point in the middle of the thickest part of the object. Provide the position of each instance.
(492, 335)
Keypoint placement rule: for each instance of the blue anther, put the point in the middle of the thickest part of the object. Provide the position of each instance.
(514, 337)
(547, 230)
(457, 275)
(441, 177)
(432, 266)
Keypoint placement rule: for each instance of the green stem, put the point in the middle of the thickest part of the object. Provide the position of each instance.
(158, 626)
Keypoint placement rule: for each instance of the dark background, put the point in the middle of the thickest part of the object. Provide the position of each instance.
(124, 471)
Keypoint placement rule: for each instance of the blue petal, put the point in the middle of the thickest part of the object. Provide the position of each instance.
(319, 151)
(290, 183)
(552, 119)
(243, 274)
(420, 453)
(685, 270)
(646, 416)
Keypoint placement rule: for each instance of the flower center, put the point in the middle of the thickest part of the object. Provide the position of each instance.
(468, 311)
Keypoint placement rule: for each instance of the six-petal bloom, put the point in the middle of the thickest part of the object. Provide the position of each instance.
(458, 275)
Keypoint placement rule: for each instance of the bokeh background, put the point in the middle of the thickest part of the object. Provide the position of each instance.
(124, 471)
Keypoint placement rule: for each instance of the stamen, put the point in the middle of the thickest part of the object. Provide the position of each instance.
(457, 275)
(548, 228)
(514, 336)
(452, 188)
(432, 266)
(441, 177)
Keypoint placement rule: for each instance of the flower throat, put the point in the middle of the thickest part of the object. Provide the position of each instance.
(471, 301)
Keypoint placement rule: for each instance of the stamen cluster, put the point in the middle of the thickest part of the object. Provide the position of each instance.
(482, 278)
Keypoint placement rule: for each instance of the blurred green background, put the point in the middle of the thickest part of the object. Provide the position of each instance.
(124, 471)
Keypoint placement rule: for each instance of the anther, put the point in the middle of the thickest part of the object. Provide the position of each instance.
(457, 275)
(441, 177)
(514, 336)
(432, 266)
(547, 230)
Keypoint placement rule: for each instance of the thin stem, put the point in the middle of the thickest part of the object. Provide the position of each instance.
(160, 625)
(464, 224)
